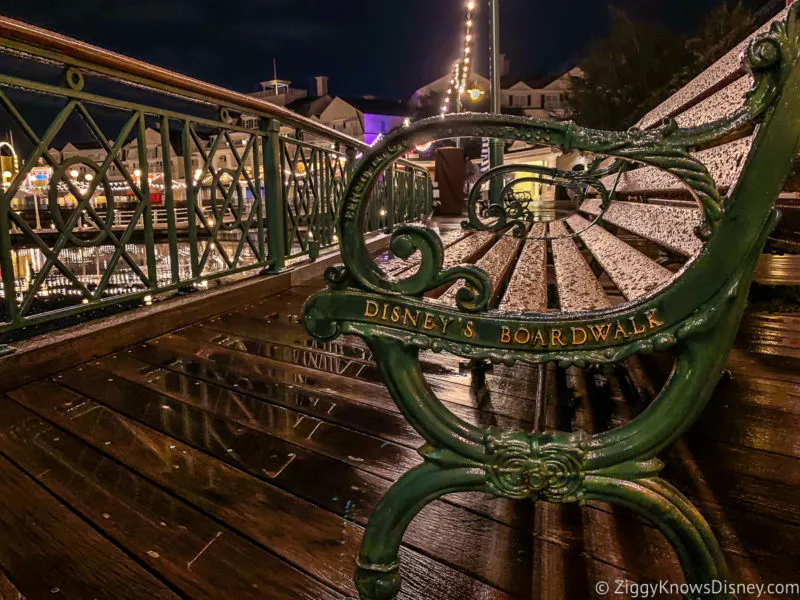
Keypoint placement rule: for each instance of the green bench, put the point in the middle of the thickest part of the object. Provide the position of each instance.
(725, 141)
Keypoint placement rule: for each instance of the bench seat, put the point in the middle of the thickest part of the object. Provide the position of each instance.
(527, 289)
(578, 288)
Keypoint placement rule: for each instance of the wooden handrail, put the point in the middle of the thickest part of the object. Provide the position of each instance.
(122, 66)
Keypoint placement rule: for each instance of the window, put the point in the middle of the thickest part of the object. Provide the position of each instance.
(511, 99)
(530, 100)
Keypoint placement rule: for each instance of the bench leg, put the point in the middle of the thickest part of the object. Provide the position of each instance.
(678, 520)
(378, 572)
(478, 387)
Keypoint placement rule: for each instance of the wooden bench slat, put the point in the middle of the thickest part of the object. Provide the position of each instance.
(724, 163)
(635, 274)
(724, 69)
(497, 263)
(717, 106)
(668, 226)
(397, 264)
(578, 288)
(527, 289)
(461, 252)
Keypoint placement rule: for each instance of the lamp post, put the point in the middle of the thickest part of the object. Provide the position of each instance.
(496, 146)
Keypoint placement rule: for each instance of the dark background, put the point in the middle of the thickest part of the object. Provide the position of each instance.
(386, 48)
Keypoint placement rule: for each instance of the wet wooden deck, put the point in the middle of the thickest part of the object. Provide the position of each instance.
(238, 459)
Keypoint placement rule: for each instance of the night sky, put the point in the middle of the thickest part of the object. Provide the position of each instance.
(385, 48)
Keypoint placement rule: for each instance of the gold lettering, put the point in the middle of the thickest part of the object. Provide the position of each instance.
(396, 313)
(469, 330)
(652, 320)
(600, 332)
(555, 336)
(505, 336)
(581, 331)
(519, 338)
(538, 339)
(385, 315)
(636, 329)
(370, 307)
(409, 316)
(445, 324)
(621, 329)
(429, 323)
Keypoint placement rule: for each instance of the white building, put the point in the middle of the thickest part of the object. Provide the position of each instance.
(538, 99)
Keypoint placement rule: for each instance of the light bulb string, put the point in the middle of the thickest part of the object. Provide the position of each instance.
(462, 69)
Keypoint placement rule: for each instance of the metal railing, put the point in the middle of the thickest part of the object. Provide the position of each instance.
(124, 180)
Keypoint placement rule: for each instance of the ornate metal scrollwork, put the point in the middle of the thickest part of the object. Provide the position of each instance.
(511, 211)
(545, 466)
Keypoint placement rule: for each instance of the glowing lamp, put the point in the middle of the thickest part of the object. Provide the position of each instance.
(476, 94)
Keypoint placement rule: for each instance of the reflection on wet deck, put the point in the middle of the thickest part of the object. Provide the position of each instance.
(238, 458)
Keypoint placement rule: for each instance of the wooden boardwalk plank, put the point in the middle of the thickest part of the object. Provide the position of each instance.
(52, 553)
(196, 554)
(289, 465)
(317, 540)
(290, 342)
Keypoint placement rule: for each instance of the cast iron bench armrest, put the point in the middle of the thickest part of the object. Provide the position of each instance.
(696, 311)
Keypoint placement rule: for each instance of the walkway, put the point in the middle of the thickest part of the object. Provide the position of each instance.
(238, 459)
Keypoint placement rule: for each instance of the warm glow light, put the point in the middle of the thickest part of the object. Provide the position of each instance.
(74, 173)
(471, 5)
(383, 212)
(475, 94)
(137, 173)
(89, 177)
(424, 147)
(407, 122)
(7, 174)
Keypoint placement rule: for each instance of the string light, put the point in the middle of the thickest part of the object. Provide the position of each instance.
(462, 67)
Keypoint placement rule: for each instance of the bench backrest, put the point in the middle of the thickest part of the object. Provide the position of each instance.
(726, 144)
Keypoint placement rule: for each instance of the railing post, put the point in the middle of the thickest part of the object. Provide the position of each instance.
(390, 199)
(144, 186)
(7, 266)
(273, 196)
(169, 201)
(191, 197)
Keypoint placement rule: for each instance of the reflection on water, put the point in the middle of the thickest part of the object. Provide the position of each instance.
(91, 265)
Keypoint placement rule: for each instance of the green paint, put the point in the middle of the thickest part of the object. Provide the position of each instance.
(227, 234)
(698, 314)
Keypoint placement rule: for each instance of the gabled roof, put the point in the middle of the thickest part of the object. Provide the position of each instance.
(92, 145)
(310, 106)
